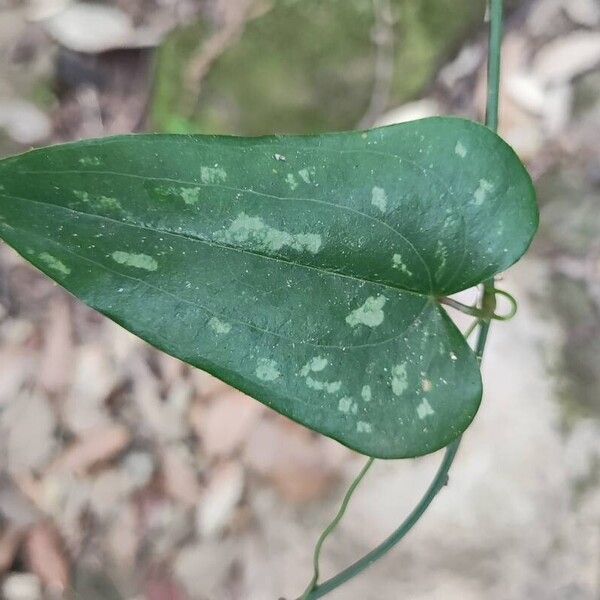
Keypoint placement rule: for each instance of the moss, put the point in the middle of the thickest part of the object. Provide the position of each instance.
(306, 66)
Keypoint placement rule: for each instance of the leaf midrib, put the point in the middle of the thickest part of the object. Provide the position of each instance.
(212, 243)
(428, 303)
(262, 194)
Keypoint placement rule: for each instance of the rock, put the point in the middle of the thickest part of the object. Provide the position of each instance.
(24, 122)
(21, 586)
(92, 28)
(224, 491)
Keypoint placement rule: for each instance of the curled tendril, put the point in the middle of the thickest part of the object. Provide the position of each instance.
(488, 310)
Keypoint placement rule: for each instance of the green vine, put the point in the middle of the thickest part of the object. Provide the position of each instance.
(485, 313)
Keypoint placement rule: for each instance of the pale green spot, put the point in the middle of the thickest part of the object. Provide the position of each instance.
(460, 150)
(105, 202)
(109, 203)
(424, 409)
(259, 235)
(137, 261)
(398, 263)
(369, 314)
(267, 370)
(306, 174)
(218, 326)
(315, 364)
(331, 387)
(291, 181)
(481, 193)
(379, 198)
(53, 263)
(364, 427)
(212, 175)
(90, 161)
(366, 393)
(190, 195)
(399, 379)
(83, 196)
(441, 254)
(347, 405)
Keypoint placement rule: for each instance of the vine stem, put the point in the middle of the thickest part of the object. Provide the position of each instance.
(488, 307)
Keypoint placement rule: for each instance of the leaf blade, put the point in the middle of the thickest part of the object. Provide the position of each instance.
(206, 247)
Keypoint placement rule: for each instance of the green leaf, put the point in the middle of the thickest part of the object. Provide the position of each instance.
(304, 271)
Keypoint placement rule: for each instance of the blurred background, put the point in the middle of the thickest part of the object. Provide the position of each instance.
(126, 475)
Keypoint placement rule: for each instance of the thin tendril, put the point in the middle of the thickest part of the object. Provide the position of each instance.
(488, 306)
(315, 591)
(329, 529)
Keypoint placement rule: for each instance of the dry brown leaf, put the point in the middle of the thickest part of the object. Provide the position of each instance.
(27, 433)
(207, 567)
(566, 57)
(224, 425)
(167, 419)
(10, 540)
(45, 556)
(220, 499)
(98, 446)
(56, 361)
(16, 367)
(162, 587)
(123, 536)
(94, 379)
(300, 465)
(206, 385)
(171, 369)
(179, 475)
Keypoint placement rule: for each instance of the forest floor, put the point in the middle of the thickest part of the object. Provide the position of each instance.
(125, 474)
